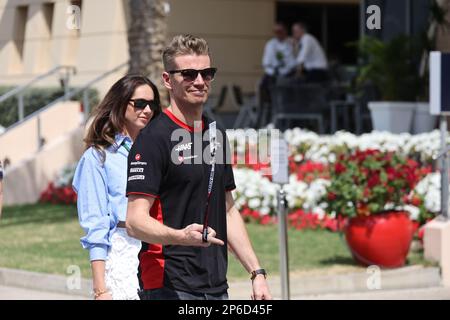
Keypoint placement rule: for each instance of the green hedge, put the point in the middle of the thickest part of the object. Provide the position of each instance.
(34, 99)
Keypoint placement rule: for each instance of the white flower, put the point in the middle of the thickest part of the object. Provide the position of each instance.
(254, 203)
(320, 148)
(414, 212)
(430, 188)
(250, 193)
(319, 212)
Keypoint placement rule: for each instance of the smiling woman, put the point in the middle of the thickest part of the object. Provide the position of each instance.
(100, 180)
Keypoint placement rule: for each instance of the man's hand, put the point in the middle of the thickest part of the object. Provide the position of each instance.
(193, 236)
(260, 289)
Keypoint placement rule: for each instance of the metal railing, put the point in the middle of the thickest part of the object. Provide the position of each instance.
(68, 95)
(19, 91)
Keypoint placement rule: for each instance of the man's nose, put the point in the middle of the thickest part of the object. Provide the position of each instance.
(199, 80)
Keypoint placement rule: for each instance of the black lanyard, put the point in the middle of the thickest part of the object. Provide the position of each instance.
(210, 185)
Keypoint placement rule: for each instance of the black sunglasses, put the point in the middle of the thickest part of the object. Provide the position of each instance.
(143, 103)
(192, 74)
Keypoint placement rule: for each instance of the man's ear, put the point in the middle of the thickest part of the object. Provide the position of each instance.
(166, 80)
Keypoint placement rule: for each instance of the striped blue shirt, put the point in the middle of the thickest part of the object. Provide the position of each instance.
(101, 195)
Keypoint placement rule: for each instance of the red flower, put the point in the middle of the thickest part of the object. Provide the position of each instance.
(332, 196)
(373, 181)
(61, 195)
(416, 201)
(391, 173)
(339, 168)
(266, 220)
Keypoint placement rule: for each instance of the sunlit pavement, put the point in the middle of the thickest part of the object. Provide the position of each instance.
(13, 293)
(437, 293)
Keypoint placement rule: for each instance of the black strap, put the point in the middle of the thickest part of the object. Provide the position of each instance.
(210, 186)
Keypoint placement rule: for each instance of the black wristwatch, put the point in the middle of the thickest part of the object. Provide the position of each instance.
(259, 271)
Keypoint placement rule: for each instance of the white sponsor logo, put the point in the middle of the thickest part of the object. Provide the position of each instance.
(138, 177)
(181, 158)
(136, 170)
(183, 147)
(138, 163)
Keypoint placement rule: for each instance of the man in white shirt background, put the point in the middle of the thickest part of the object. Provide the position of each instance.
(310, 58)
(278, 62)
(278, 58)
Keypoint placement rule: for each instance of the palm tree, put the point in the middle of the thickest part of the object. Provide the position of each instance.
(147, 39)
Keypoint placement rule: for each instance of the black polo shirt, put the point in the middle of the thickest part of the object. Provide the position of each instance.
(167, 163)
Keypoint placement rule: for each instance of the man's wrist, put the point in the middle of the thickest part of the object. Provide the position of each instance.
(257, 273)
(259, 276)
(178, 236)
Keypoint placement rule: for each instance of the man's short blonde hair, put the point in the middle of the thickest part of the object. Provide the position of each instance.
(181, 45)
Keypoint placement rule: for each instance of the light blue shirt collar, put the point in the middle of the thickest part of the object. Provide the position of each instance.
(118, 140)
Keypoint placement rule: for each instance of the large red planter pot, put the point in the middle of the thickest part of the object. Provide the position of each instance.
(382, 239)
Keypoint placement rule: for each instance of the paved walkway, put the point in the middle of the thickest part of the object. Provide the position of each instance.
(414, 282)
(14, 293)
(436, 293)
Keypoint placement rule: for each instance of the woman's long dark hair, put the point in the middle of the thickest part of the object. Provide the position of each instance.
(109, 116)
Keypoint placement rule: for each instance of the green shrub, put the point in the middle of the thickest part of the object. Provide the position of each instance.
(35, 99)
(392, 66)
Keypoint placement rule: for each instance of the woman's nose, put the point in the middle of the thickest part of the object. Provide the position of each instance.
(148, 110)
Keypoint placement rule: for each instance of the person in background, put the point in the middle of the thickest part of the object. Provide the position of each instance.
(310, 58)
(278, 58)
(278, 62)
(100, 182)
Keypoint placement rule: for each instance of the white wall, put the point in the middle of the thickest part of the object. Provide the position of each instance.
(25, 182)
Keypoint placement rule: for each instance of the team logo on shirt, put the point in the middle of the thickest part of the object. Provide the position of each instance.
(182, 158)
(183, 147)
(138, 157)
(136, 177)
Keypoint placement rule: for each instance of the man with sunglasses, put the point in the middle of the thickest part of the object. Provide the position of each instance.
(183, 186)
